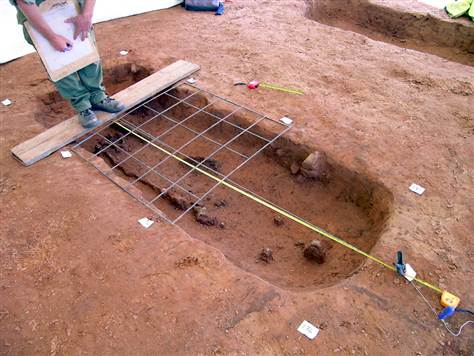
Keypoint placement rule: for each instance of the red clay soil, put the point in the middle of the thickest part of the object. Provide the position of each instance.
(351, 207)
(80, 276)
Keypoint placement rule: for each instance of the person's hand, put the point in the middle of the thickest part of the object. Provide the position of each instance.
(82, 25)
(60, 43)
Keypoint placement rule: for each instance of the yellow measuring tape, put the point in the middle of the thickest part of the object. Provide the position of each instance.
(277, 87)
(284, 213)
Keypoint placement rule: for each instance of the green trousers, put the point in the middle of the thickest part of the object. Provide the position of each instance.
(82, 88)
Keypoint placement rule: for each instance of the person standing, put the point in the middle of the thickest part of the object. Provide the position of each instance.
(83, 89)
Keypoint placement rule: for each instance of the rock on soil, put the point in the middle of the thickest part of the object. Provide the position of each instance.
(220, 204)
(209, 163)
(317, 251)
(266, 255)
(316, 166)
(294, 168)
(299, 244)
(278, 220)
(187, 262)
(202, 217)
(178, 200)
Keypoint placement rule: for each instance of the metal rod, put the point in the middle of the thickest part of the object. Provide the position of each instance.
(189, 158)
(128, 113)
(149, 169)
(207, 158)
(231, 102)
(230, 123)
(139, 126)
(192, 140)
(227, 176)
(197, 132)
(139, 199)
(175, 183)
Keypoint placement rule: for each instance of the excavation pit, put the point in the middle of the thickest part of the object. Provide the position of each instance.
(407, 24)
(225, 139)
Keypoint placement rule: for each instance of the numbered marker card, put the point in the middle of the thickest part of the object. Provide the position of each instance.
(308, 329)
(61, 64)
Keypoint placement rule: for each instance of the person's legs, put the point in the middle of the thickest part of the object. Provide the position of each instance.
(91, 78)
(73, 90)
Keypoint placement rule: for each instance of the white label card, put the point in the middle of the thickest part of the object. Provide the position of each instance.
(145, 222)
(308, 330)
(415, 188)
(66, 154)
(410, 273)
(286, 120)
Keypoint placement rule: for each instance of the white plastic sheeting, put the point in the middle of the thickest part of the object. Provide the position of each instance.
(13, 44)
(440, 4)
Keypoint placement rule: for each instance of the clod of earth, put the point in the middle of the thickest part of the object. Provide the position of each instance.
(266, 255)
(294, 168)
(317, 251)
(316, 166)
(187, 262)
(177, 200)
(202, 217)
(300, 244)
(103, 144)
(220, 204)
(209, 163)
(278, 220)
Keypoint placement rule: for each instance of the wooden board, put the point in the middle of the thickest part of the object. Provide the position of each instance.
(62, 64)
(67, 131)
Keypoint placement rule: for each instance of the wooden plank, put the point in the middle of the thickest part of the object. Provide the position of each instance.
(67, 131)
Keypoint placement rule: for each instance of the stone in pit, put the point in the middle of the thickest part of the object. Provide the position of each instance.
(266, 255)
(317, 251)
(202, 217)
(278, 220)
(177, 199)
(316, 166)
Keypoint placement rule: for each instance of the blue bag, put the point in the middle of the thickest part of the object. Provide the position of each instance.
(201, 5)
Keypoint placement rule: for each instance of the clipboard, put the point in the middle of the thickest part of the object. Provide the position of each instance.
(61, 64)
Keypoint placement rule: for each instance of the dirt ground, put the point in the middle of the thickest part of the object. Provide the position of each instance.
(80, 276)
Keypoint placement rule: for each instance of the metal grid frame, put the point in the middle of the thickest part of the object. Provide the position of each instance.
(152, 140)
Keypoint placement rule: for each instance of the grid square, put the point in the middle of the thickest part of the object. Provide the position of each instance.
(183, 91)
(150, 155)
(222, 109)
(247, 143)
(174, 202)
(200, 148)
(174, 170)
(162, 102)
(199, 101)
(177, 137)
